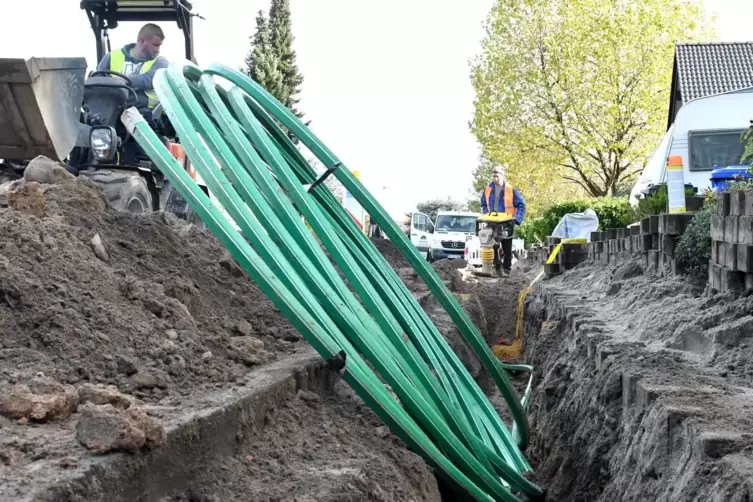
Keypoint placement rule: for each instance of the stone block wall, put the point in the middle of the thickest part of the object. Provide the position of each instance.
(654, 240)
(731, 267)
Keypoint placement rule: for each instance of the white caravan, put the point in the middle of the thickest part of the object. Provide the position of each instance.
(706, 132)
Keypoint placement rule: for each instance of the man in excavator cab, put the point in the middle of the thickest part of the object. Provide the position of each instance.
(501, 197)
(139, 62)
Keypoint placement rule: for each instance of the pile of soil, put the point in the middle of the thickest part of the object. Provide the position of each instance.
(391, 253)
(322, 449)
(146, 303)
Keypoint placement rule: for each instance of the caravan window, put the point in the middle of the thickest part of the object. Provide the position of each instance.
(710, 148)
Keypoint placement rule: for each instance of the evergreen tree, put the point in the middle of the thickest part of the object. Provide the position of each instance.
(281, 40)
(262, 63)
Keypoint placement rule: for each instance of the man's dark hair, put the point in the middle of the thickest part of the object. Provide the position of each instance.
(151, 30)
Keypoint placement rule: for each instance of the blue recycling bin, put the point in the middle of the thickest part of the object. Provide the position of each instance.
(720, 178)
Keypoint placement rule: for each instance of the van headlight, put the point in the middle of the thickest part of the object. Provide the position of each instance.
(103, 142)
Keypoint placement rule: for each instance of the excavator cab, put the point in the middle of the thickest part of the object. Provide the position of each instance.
(105, 15)
(49, 107)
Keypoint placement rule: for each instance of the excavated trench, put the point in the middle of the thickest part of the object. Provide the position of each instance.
(643, 388)
(137, 362)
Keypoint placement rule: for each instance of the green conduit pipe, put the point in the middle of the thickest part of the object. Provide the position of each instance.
(271, 105)
(283, 258)
(326, 199)
(521, 460)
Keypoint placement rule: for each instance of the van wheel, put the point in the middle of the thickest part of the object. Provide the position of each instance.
(125, 190)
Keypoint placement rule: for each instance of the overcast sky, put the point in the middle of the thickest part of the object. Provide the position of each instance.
(386, 83)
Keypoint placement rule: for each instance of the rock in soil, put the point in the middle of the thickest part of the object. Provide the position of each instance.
(104, 428)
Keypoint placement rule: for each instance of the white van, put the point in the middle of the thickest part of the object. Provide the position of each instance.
(445, 238)
(706, 133)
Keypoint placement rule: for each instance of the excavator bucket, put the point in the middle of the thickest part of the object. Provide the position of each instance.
(40, 106)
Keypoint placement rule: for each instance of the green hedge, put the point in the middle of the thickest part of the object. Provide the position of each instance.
(613, 212)
(657, 203)
(694, 248)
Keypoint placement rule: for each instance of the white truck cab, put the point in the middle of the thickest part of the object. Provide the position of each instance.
(451, 231)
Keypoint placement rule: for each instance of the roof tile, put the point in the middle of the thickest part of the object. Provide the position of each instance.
(708, 69)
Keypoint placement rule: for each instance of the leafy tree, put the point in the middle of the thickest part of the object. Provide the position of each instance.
(578, 85)
(747, 138)
(433, 206)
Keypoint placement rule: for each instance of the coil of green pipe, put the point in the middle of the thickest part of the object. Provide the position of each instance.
(257, 175)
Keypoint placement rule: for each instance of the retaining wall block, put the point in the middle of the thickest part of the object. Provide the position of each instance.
(595, 236)
(646, 225)
(551, 269)
(644, 256)
(732, 280)
(635, 230)
(731, 226)
(675, 223)
(646, 242)
(717, 228)
(715, 246)
(653, 259)
(653, 225)
(655, 241)
(730, 255)
(745, 228)
(748, 282)
(669, 244)
(611, 233)
(694, 203)
(748, 203)
(715, 276)
(623, 232)
(627, 244)
(744, 258)
(723, 204)
(736, 202)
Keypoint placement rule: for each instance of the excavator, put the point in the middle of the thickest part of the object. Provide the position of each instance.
(48, 106)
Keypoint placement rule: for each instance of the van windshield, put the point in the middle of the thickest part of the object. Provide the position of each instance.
(450, 223)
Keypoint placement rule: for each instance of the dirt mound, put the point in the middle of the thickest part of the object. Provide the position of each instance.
(146, 303)
(391, 253)
(318, 449)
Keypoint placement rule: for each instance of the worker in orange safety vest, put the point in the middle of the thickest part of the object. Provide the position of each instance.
(500, 196)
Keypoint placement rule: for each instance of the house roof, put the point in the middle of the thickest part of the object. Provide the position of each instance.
(713, 68)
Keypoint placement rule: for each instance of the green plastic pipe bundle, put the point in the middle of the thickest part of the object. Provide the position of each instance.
(418, 386)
